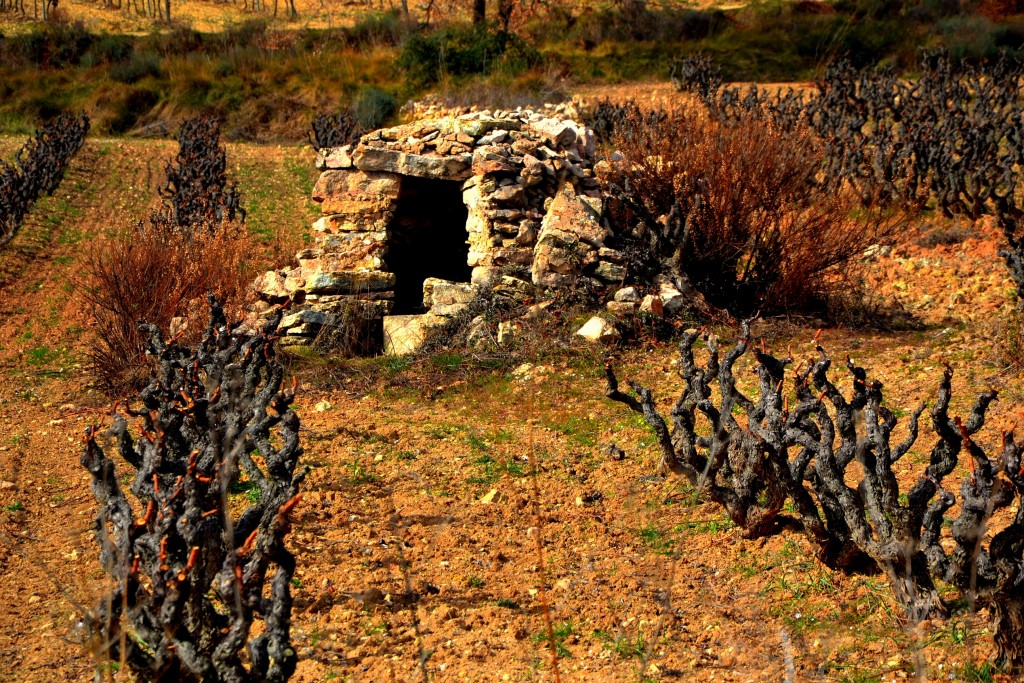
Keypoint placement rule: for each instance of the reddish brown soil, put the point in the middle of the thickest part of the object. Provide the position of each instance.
(642, 582)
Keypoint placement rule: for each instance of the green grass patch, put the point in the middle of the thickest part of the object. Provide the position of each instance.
(560, 633)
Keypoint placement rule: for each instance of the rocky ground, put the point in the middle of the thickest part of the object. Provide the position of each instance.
(417, 537)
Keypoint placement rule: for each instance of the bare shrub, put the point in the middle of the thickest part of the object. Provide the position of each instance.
(697, 74)
(734, 212)
(334, 130)
(190, 563)
(834, 457)
(606, 118)
(38, 169)
(157, 276)
(160, 269)
(196, 192)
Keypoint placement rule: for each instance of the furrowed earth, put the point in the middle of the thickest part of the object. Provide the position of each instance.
(433, 479)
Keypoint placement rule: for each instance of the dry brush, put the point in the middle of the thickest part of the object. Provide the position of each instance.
(160, 269)
(734, 211)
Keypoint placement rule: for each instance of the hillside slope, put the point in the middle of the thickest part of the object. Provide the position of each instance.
(642, 580)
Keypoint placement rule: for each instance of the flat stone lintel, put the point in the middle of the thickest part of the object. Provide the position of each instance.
(380, 160)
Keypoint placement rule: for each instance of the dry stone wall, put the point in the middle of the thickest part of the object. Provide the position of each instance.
(534, 222)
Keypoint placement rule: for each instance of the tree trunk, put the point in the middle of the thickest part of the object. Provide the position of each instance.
(1008, 632)
(912, 586)
(479, 11)
(505, 10)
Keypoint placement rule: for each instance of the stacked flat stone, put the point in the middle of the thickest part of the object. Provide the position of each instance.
(432, 108)
(534, 217)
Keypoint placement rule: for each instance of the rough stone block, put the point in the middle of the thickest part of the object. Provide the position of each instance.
(271, 285)
(338, 223)
(555, 266)
(485, 277)
(448, 310)
(578, 215)
(598, 329)
(611, 255)
(335, 158)
(346, 251)
(307, 316)
(672, 299)
(487, 161)
(622, 308)
(361, 306)
(356, 184)
(377, 159)
(509, 195)
(652, 305)
(438, 292)
(405, 334)
(627, 294)
(610, 272)
(517, 256)
(513, 289)
(348, 282)
(478, 127)
(561, 133)
(493, 138)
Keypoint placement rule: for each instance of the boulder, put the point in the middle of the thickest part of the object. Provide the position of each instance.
(597, 329)
(627, 294)
(671, 298)
(610, 272)
(621, 308)
(271, 286)
(405, 334)
(570, 236)
(652, 305)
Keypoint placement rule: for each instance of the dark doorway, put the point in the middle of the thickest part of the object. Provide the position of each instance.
(427, 239)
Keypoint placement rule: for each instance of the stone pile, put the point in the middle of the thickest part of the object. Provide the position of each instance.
(432, 108)
(535, 222)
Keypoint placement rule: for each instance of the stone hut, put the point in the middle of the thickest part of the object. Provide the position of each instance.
(421, 218)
